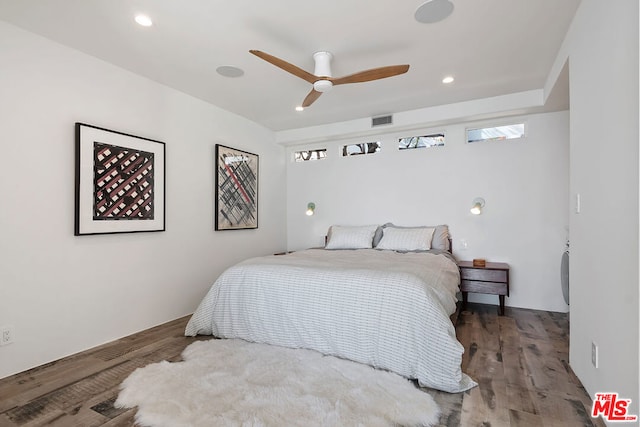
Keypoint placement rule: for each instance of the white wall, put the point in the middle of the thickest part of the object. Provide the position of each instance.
(525, 184)
(63, 293)
(602, 49)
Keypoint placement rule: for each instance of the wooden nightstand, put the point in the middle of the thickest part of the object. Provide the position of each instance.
(492, 279)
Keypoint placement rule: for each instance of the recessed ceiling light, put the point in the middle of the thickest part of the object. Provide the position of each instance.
(299, 108)
(230, 71)
(448, 79)
(144, 20)
(432, 11)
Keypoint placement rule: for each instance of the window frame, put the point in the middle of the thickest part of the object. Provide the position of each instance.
(343, 148)
(505, 124)
(432, 135)
(317, 151)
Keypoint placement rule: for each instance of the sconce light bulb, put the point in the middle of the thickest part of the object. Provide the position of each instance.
(311, 207)
(478, 204)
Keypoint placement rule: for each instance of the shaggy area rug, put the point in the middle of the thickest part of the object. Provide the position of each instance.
(236, 383)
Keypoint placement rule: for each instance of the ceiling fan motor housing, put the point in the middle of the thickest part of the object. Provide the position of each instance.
(323, 69)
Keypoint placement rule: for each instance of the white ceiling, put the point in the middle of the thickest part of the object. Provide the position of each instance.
(492, 47)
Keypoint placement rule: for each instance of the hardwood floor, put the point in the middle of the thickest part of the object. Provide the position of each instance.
(519, 360)
(521, 364)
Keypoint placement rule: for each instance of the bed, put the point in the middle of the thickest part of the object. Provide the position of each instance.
(368, 296)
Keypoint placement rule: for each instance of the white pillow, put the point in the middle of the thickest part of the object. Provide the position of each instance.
(406, 239)
(341, 237)
(440, 239)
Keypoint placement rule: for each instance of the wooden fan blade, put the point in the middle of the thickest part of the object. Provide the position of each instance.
(311, 98)
(373, 74)
(290, 68)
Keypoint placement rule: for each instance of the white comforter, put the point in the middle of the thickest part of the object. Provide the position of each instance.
(381, 308)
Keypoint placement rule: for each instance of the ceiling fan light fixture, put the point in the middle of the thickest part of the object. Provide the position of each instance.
(323, 85)
(432, 11)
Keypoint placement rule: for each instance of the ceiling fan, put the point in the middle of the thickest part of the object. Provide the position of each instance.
(322, 80)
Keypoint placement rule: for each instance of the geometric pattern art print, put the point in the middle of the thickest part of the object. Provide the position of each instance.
(123, 183)
(237, 189)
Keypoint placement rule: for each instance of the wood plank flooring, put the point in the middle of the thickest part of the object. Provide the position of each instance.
(520, 361)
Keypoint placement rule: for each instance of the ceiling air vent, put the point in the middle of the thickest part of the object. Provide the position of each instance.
(382, 120)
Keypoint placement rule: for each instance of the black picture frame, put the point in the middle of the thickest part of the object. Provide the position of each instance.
(120, 182)
(236, 199)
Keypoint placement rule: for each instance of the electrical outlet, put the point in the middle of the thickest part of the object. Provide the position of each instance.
(7, 335)
(594, 354)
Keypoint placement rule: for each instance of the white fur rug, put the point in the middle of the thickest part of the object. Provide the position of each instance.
(236, 383)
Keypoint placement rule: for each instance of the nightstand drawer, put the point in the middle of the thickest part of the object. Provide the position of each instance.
(495, 288)
(483, 274)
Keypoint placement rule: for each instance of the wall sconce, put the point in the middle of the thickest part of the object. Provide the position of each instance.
(478, 204)
(311, 207)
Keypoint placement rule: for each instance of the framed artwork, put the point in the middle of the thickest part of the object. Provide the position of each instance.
(236, 189)
(120, 182)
